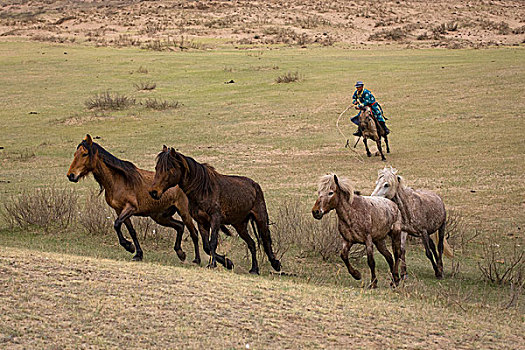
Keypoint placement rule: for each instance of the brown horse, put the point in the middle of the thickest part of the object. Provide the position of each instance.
(126, 191)
(423, 213)
(215, 200)
(371, 129)
(361, 219)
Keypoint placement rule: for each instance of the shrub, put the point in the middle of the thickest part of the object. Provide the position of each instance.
(43, 207)
(145, 85)
(109, 101)
(160, 105)
(502, 267)
(94, 215)
(288, 78)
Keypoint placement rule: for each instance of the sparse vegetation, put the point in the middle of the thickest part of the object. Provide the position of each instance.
(289, 77)
(145, 85)
(109, 101)
(160, 105)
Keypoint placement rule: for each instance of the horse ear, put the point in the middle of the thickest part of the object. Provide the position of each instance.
(172, 151)
(394, 170)
(336, 180)
(88, 139)
(164, 148)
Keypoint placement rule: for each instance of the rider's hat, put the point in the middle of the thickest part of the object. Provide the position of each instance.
(359, 83)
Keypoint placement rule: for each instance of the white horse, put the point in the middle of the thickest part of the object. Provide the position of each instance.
(361, 219)
(423, 213)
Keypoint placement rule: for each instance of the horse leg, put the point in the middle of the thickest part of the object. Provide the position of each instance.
(380, 148)
(214, 237)
(386, 142)
(122, 216)
(242, 230)
(371, 261)
(365, 141)
(178, 226)
(439, 262)
(344, 256)
(381, 246)
(403, 264)
(188, 221)
(133, 234)
(441, 241)
(428, 251)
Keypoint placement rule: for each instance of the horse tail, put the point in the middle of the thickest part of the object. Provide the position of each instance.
(262, 220)
(447, 249)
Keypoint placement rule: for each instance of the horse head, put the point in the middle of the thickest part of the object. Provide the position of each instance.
(330, 191)
(83, 160)
(169, 171)
(387, 183)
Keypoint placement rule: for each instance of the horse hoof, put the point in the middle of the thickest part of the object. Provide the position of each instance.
(439, 276)
(254, 271)
(181, 254)
(229, 264)
(369, 155)
(211, 266)
(196, 261)
(372, 286)
(383, 159)
(357, 275)
(276, 264)
(137, 258)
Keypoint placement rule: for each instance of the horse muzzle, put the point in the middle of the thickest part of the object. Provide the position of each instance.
(72, 177)
(317, 214)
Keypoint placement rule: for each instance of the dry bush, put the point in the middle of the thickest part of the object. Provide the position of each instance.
(142, 70)
(109, 101)
(459, 237)
(501, 267)
(160, 105)
(152, 27)
(145, 85)
(95, 216)
(43, 207)
(395, 34)
(295, 227)
(289, 77)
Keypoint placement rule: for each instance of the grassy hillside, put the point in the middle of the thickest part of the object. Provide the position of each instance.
(457, 128)
(112, 304)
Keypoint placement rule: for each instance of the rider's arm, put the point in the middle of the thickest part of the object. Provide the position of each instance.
(354, 98)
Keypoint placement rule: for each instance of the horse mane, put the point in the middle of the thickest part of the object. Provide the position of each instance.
(202, 176)
(327, 182)
(127, 169)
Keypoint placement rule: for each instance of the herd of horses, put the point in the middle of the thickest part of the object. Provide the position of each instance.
(197, 192)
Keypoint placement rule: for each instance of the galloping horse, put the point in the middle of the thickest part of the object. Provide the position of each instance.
(216, 199)
(361, 219)
(371, 129)
(126, 191)
(423, 213)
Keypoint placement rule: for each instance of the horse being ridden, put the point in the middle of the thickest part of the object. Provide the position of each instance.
(423, 213)
(371, 129)
(361, 219)
(215, 200)
(126, 191)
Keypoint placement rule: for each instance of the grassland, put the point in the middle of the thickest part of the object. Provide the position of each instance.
(457, 121)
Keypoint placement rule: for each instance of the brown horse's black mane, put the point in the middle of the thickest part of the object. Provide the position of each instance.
(199, 176)
(127, 169)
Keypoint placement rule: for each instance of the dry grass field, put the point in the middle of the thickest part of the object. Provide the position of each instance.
(61, 301)
(255, 88)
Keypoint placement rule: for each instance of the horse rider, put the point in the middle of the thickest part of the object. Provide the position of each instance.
(362, 98)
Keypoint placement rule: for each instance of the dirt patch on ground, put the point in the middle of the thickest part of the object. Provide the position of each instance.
(179, 25)
(70, 302)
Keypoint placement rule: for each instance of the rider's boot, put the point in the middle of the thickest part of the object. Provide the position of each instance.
(358, 132)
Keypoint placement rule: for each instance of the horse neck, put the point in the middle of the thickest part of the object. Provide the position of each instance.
(346, 210)
(105, 177)
(402, 199)
(194, 181)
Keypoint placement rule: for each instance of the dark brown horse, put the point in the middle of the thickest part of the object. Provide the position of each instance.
(126, 191)
(372, 130)
(216, 199)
